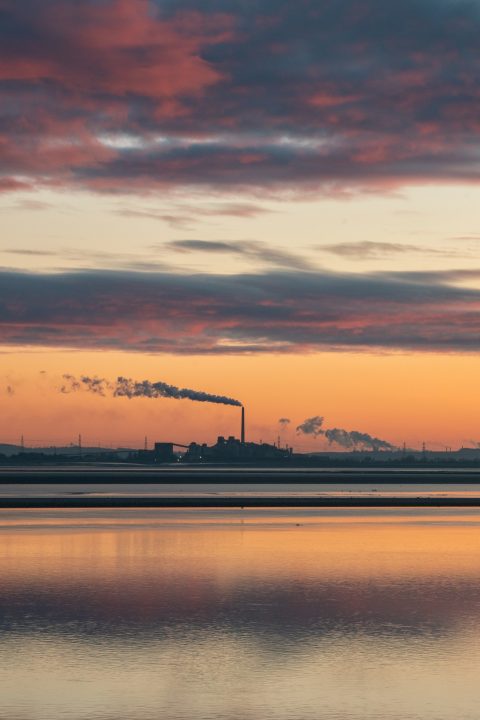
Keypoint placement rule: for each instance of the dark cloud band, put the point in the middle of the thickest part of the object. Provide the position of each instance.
(229, 314)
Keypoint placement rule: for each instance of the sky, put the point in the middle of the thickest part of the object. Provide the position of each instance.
(270, 201)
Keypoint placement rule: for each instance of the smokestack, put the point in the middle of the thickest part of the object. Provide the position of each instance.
(242, 434)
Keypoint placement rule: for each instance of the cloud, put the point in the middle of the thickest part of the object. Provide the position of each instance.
(208, 246)
(140, 95)
(368, 250)
(248, 249)
(270, 311)
(186, 215)
(175, 220)
(31, 204)
(466, 238)
(28, 252)
(112, 49)
(97, 258)
(311, 426)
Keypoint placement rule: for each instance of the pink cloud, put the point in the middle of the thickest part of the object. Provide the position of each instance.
(206, 97)
(118, 48)
(285, 311)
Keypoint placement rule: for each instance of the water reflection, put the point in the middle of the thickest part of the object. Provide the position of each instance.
(144, 615)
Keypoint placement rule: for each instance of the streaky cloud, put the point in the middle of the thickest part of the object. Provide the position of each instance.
(248, 249)
(367, 250)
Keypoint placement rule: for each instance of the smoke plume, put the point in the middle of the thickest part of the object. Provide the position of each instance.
(126, 387)
(353, 440)
(348, 439)
(96, 385)
(311, 426)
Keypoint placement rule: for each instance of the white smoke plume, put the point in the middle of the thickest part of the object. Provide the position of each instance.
(353, 440)
(348, 439)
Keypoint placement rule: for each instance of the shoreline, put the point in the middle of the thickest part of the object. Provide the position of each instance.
(234, 475)
(234, 502)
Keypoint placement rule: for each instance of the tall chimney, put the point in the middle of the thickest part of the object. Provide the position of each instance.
(242, 435)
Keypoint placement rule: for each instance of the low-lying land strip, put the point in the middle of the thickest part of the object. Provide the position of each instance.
(236, 502)
(214, 474)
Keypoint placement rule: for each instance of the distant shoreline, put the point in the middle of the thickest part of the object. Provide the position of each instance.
(122, 475)
(234, 502)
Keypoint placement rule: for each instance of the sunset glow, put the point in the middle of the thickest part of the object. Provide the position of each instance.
(271, 202)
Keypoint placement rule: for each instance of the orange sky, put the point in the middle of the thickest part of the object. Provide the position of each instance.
(411, 397)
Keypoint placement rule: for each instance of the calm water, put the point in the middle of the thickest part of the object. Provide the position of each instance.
(165, 615)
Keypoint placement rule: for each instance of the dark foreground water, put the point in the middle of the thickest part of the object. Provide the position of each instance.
(169, 615)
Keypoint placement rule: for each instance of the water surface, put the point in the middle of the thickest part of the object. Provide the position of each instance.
(321, 614)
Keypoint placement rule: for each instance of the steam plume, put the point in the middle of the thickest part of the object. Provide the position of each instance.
(125, 387)
(311, 426)
(353, 439)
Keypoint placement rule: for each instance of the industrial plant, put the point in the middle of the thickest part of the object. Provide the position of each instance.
(232, 451)
(225, 450)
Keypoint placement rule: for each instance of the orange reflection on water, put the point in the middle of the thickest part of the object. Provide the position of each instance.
(194, 614)
(232, 543)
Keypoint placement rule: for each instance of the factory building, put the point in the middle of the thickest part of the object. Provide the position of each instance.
(233, 450)
(225, 450)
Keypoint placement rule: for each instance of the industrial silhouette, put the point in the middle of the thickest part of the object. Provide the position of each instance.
(224, 450)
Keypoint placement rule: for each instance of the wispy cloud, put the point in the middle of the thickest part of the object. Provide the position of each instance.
(368, 250)
(185, 216)
(93, 258)
(247, 249)
(29, 252)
